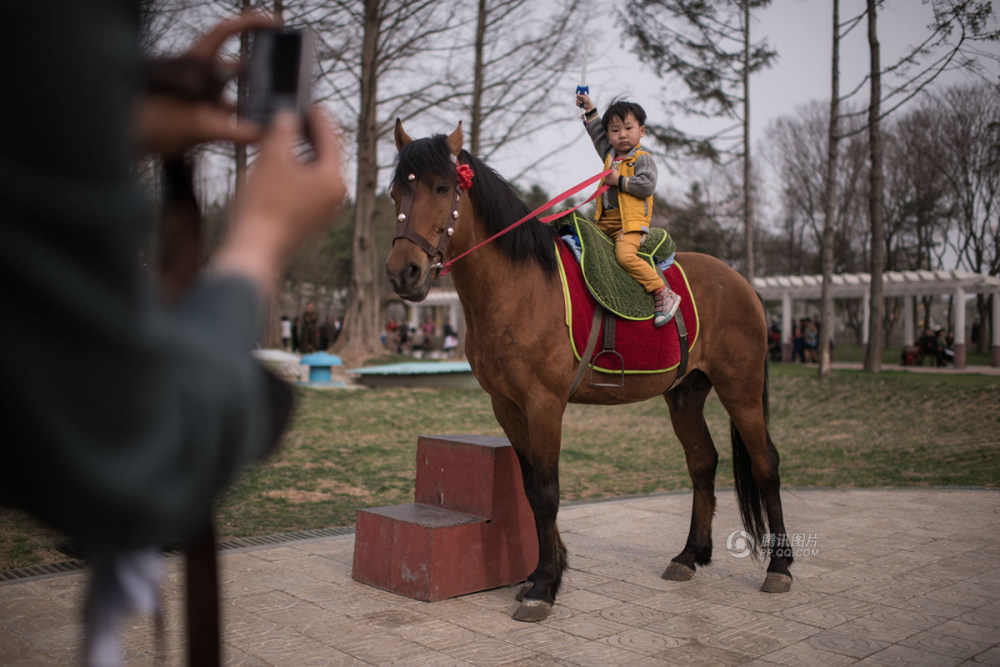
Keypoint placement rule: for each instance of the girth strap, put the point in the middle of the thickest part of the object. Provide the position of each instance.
(609, 333)
(595, 326)
(682, 333)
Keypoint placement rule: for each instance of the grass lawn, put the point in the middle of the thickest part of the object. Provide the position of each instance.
(351, 449)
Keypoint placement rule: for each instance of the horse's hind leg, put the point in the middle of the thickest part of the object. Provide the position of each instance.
(686, 404)
(536, 440)
(758, 483)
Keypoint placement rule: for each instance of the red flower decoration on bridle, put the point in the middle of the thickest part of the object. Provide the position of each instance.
(464, 176)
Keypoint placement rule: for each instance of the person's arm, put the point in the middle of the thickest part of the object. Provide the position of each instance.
(128, 428)
(594, 126)
(285, 200)
(642, 183)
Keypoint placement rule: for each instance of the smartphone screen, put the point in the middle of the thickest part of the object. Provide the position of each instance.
(279, 73)
(285, 61)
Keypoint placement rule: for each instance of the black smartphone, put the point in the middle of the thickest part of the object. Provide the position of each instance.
(279, 73)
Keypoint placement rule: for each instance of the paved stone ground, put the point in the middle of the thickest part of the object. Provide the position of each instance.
(885, 577)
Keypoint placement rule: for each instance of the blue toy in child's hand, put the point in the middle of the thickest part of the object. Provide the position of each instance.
(583, 88)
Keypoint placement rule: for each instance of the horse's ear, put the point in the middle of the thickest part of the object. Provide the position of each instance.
(402, 138)
(455, 140)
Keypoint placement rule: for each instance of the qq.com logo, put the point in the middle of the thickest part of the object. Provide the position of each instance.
(740, 544)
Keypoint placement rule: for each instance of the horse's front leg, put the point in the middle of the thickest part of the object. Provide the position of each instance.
(687, 414)
(535, 436)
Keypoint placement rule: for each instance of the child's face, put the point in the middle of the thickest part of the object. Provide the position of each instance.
(624, 134)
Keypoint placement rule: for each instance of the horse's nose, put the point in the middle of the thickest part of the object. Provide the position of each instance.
(404, 281)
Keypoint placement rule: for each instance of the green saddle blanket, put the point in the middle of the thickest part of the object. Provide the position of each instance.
(613, 288)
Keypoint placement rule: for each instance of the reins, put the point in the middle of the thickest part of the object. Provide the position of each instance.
(445, 267)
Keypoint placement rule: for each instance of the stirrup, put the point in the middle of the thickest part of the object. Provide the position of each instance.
(620, 372)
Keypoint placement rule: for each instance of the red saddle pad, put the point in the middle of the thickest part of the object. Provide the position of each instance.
(643, 347)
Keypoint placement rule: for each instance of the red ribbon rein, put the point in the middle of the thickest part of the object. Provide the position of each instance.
(446, 267)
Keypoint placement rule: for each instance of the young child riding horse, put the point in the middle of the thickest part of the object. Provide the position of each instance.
(624, 210)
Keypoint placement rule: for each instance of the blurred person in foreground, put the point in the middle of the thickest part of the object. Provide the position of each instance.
(123, 439)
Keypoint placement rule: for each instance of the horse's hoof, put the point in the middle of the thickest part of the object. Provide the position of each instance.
(532, 611)
(776, 582)
(523, 590)
(677, 572)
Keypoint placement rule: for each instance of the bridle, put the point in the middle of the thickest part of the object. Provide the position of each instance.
(463, 181)
(447, 230)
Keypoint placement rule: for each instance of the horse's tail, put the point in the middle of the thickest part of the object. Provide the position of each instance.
(748, 494)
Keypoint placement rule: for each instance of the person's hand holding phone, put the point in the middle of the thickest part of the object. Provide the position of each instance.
(170, 122)
(286, 200)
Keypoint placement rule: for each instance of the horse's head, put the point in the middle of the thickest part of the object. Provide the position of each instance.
(427, 194)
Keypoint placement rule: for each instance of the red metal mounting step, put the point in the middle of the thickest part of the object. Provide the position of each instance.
(469, 529)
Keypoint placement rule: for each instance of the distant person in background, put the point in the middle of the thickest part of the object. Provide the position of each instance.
(286, 333)
(450, 338)
(949, 347)
(390, 336)
(799, 342)
(403, 338)
(810, 333)
(943, 349)
(309, 329)
(774, 341)
(324, 334)
(428, 328)
(928, 346)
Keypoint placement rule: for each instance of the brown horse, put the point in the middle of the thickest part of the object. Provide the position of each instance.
(519, 349)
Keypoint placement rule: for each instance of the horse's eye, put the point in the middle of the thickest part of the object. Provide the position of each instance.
(442, 189)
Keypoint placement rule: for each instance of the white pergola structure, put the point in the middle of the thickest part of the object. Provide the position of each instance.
(437, 297)
(787, 289)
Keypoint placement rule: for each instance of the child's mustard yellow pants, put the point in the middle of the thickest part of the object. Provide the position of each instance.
(627, 246)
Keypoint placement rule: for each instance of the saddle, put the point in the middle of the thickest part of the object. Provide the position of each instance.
(594, 309)
(613, 288)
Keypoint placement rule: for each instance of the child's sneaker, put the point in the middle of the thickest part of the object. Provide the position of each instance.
(666, 304)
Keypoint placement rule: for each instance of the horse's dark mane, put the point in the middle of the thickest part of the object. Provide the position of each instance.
(494, 199)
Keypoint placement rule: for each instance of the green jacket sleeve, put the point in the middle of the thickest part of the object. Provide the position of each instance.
(125, 417)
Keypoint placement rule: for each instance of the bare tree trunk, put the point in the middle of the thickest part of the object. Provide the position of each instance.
(241, 104)
(360, 338)
(873, 353)
(830, 201)
(270, 335)
(272, 318)
(477, 86)
(747, 177)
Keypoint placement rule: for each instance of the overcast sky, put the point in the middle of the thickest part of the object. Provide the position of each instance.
(799, 30)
